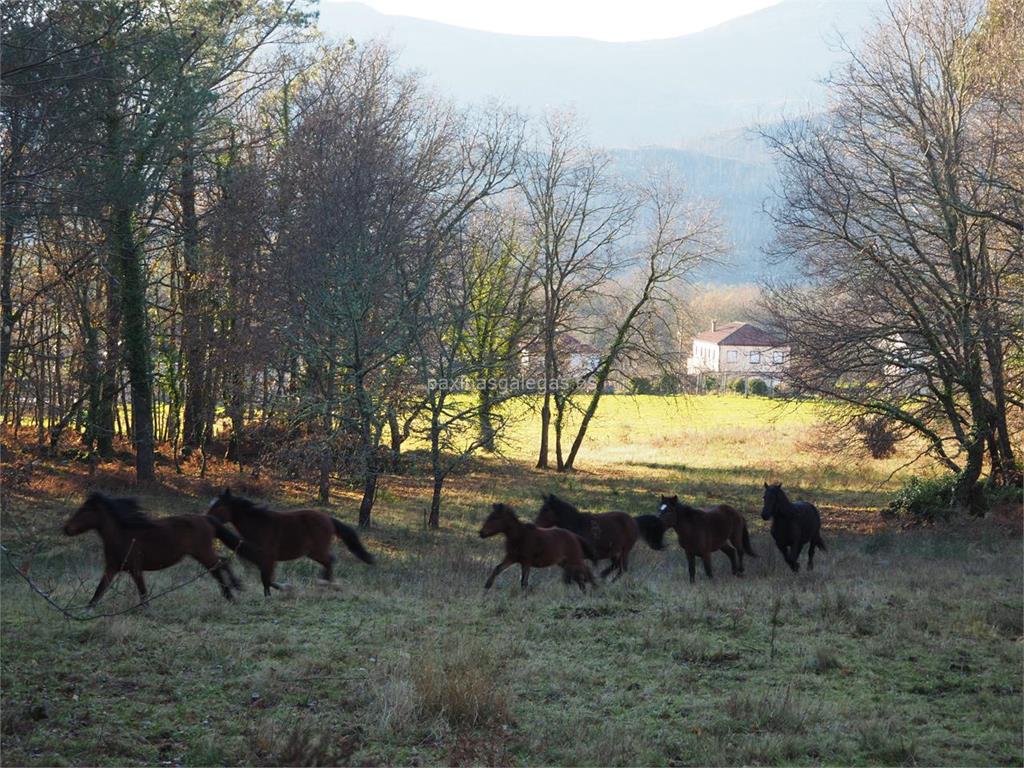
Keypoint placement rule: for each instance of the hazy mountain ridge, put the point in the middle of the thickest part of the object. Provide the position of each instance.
(697, 93)
(736, 188)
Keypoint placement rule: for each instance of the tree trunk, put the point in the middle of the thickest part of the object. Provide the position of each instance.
(194, 317)
(487, 431)
(545, 420)
(136, 342)
(7, 314)
(434, 519)
(371, 470)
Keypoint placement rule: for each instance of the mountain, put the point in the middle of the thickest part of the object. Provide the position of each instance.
(735, 188)
(661, 92)
(683, 103)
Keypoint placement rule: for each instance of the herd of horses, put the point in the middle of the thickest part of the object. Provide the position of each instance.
(561, 535)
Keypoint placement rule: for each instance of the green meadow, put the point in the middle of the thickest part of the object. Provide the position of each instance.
(903, 647)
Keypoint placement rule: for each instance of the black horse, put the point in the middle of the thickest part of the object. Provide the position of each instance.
(794, 523)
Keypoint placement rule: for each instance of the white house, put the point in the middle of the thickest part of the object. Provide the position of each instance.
(737, 351)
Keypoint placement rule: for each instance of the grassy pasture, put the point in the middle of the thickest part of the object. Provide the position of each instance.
(904, 647)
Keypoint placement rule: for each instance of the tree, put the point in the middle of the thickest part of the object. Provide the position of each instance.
(900, 206)
(379, 176)
(678, 238)
(577, 216)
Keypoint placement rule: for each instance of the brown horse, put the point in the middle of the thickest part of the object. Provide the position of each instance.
(534, 547)
(611, 535)
(279, 536)
(135, 543)
(703, 531)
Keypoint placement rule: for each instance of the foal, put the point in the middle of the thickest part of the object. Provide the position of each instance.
(794, 523)
(534, 547)
(703, 531)
(135, 543)
(611, 535)
(278, 536)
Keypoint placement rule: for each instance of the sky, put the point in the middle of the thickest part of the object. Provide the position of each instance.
(616, 20)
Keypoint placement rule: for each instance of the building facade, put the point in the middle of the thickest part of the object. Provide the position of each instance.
(736, 351)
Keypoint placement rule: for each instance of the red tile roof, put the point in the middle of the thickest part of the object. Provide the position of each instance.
(739, 335)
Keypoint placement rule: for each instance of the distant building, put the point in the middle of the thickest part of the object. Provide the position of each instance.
(737, 351)
(579, 359)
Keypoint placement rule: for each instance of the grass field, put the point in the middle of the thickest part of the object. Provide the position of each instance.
(903, 647)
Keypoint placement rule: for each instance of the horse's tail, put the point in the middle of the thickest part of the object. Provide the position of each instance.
(819, 542)
(351, 540)
(652, 530)
(588, 549)
(746, 541)
(234, 543)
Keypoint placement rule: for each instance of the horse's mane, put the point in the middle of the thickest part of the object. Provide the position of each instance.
(249, 507)
(125, 511)
(500, 507)
(564, 509)
(782, 501)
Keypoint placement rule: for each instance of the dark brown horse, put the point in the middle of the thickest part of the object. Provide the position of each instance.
(136, 543)
(279, 536)
(794, 523)
(533, 547)
(611, 535)
(703, 531)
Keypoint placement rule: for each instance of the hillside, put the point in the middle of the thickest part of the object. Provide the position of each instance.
(658, 92)
(684, 103)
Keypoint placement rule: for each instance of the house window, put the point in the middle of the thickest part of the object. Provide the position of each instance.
(777, 358)
(755, 357)
(732, 355)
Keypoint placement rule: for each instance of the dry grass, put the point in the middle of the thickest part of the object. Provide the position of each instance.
(904, 647)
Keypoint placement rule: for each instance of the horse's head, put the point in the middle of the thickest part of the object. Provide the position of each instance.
(772, 496)
(88, 516)
(668, 510)
(502, 518)
(547, 517)
(223, 506)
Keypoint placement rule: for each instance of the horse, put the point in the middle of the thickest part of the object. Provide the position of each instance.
(611, 535)
(703, 531)
(534, 547)
(135, 542)
(794, 523)
(280, 536)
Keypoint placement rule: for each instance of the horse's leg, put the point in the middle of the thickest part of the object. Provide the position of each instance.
(691, 564)
(328, 564)
(218, 568)
(105, 580)
(226, 569)
(730, 552)
(612, 565)
(706, 557)
(267, 577)
(738, 549)
(497, 569)
(794, 561)
(524, 580)
(810, 556)
(623, 564)
(140, 584)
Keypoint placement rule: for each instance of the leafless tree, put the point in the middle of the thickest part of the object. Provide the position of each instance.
(900, 204)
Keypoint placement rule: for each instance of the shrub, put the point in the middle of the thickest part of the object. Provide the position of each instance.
(641, 385)
(924, 499)
(878, 436)
(710, 383)
(669, 384)
(740, 386)
(758, 387)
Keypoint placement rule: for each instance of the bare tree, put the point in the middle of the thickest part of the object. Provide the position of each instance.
(578, 215)
(677, 238)
(899, 206)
